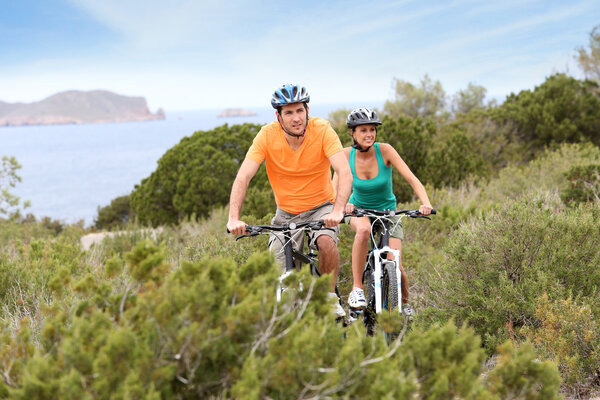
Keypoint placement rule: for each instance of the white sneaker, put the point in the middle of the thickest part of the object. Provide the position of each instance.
(280, 286)
(408, 310)
(356, 299)
(337, 308)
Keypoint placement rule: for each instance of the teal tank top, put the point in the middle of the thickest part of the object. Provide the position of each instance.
(376, 193)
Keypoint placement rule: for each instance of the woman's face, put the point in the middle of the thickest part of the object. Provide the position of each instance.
(365, 135)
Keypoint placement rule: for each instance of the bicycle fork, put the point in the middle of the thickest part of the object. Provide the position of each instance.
(380, 257)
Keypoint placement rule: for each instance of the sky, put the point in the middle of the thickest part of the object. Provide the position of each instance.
(205, 54)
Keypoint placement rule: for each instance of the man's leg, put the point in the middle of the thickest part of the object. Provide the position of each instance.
(277, 240)
(329, 257)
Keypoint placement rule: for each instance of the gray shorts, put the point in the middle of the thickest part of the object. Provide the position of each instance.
(276, 239)
(395, 225)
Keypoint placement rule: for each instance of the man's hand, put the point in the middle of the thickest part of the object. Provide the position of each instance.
(236, 227)
(333, 219)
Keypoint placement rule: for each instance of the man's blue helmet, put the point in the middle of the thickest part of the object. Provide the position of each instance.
(288, 94)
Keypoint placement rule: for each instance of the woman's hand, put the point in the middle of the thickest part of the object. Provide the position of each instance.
(349, 208)
(425, 209)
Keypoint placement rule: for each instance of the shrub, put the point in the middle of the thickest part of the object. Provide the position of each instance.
(562, 109)
(569, 334)
(412, 139)
(185, 182)
(115, 215)
(584, 184)
(212, 329)
(499, 265)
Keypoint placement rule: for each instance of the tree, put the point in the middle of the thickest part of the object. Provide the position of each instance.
(338, 118)
(589, 62)
(195, 175)
(412, 138)
(8, 180)
(116, 214)
(471, 98)
(427, 100)
(562, 109)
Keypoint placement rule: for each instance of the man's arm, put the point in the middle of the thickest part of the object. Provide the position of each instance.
(341, 168)
(238, 194)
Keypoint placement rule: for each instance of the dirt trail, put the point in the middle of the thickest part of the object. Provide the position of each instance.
(88, 240)
(95, 238)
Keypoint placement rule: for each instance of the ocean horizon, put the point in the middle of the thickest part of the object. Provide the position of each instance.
(68, 171)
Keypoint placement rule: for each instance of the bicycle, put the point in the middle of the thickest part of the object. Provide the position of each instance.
(381, 276)
(291, 254)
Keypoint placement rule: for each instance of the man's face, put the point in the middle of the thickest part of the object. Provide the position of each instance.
(293, 118)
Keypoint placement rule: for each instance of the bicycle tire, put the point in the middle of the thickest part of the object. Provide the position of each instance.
(369, 315)
(389, 287)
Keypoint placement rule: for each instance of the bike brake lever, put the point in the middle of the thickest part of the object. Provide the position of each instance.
(246, 235)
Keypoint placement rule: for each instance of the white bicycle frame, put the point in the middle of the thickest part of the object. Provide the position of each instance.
(378, 271)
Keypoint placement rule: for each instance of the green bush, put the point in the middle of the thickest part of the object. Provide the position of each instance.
(562, 109)
(115, 215)
(412, 139)
(584, 184)
(569, 334)
(185, 182)
(212, 329)
(498, 266)
(452, 162)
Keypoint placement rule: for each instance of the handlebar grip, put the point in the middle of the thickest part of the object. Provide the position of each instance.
(434, 211)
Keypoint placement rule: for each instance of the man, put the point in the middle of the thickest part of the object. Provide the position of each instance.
(299, 152)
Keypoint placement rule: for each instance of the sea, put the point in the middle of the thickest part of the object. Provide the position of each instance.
(69, 171)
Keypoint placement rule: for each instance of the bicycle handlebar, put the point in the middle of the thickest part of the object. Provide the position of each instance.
(365, 212)
(253, 230)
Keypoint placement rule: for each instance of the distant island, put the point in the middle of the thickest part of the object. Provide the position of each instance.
(235, 112)
(78, 107)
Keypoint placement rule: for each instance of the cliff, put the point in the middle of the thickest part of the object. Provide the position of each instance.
(77, 107)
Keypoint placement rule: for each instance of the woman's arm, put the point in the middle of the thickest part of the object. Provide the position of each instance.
(391, 156)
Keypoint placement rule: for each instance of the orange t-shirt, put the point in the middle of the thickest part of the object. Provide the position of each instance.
(301, 179)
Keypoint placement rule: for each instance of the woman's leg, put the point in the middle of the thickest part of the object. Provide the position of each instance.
(397, 244)
(362, 227)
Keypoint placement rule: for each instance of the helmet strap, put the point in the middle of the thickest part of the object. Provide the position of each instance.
(357, 147)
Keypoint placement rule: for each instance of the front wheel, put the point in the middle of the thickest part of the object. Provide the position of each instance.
(389, 287)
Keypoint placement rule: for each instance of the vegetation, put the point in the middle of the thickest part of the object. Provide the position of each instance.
(9, 203)
(589, 60)
(173, 320)
(115, 215)
(504, 279)
(187, 173)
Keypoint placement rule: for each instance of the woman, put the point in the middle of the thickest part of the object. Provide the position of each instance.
(371, 164)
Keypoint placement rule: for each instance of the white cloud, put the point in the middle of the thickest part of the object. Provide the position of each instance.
(213, 54)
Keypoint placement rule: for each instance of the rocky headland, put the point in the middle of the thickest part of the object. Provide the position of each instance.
(78, 107)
